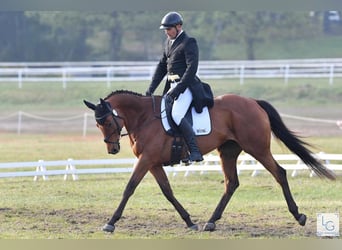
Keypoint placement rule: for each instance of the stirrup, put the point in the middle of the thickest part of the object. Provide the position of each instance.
(186, 161)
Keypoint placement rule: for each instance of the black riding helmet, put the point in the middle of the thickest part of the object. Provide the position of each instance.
(171, 19)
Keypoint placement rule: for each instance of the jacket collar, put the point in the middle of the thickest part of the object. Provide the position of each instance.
(177, 41)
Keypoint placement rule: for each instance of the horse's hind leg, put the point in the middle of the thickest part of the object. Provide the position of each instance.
(229, 153)
(163, 182)
(279, 174)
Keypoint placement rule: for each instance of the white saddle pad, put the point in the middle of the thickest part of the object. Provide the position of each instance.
(201, 121)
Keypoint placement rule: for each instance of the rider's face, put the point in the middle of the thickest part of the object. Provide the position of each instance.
(172, 32)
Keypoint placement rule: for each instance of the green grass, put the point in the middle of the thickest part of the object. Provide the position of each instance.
(48, 147)
(56, 147)
(78, 209)
(51, 96)
(297, 92)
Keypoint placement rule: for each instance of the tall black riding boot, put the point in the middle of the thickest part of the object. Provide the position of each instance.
(190, 140)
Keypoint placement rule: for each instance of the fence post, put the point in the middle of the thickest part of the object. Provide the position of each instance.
(20, 114)
(286, 75)
(40, 168)
(20, 79)
(70, 167)
(331, 75)
(255, 172)
(64, 78)
(109, 77)
(85, 124)
(242, 74)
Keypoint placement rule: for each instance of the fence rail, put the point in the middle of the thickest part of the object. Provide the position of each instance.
(108, 72)
(211, 163)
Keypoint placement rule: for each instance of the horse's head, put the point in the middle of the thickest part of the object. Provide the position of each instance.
(109, 122)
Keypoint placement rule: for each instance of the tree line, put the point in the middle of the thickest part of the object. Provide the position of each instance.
(132, 35)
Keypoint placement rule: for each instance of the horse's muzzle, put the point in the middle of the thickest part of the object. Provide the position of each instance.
(114, 150)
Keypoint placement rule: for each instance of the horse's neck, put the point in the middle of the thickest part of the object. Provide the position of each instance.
(135, 110)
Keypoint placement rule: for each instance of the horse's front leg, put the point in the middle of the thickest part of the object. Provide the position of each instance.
(163, 182)
(138, 173)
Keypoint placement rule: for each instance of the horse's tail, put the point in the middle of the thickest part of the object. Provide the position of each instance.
(293, 142)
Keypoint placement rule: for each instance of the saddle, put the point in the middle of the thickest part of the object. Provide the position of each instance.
(200, 122)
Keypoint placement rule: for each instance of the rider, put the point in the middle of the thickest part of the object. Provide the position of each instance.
(179, 62)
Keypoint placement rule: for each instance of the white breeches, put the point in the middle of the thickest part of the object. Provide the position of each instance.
(181, 106)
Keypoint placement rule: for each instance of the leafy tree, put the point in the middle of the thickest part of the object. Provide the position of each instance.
(143, 30)
(134, 35)
(18, 39)
(253, 28)
(67, 34)
(207, 27)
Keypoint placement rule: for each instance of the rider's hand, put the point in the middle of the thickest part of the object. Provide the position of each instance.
(174, 93)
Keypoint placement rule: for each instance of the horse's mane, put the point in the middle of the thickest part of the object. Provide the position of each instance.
(125, 92)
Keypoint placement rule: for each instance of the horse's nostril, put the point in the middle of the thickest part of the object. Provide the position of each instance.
(113, 151)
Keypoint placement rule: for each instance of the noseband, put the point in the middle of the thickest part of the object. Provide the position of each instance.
(117, 130)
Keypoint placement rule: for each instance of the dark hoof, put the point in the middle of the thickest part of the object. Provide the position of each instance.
(210, 226)
(108, 228)
(302, 219)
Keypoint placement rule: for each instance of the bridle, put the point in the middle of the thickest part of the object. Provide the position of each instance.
(117, 130)
(101, 119)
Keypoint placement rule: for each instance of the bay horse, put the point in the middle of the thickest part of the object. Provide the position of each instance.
(238, 124)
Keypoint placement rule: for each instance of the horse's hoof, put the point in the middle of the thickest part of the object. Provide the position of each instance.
(108, 228)
(194, 227)
(209, 226)
(302, 219)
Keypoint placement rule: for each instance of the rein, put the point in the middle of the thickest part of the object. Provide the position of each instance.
(147, 122)
(118, 129)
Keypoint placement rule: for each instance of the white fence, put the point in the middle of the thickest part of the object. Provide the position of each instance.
(22, 121)
(211, 163)
(108, 72)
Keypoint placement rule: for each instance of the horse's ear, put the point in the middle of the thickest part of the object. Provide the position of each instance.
(103, 103)
(90, 105)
